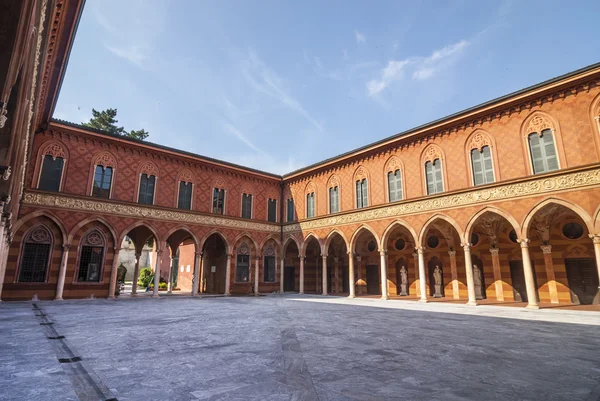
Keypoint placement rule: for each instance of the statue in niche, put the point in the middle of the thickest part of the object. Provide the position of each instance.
(477, 280)
(437, 280)
(403, 281)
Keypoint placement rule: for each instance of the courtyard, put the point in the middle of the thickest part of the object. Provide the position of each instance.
(294, 348)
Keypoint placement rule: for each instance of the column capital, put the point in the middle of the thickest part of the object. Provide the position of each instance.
(383, 252)
(597, 118)
(452, 253)
(117, 248)
(66, 247)
(138, 254)
(336, 259)
(546, 249)
(301, 256)
(229, 255)
(350, 254)
(466, 246)
(595, 238)
(159, 252)
(324, 255)
(257, 257)
(494, 251)
(196, 254)
(358, 258)
(419, 249)
(524, 242)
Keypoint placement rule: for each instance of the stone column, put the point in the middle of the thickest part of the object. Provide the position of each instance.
(301, 274)
(324, 274)
(469, 269)
(113, 274)
(336, 268)
(383, 267)
(358, 277)
(351, 276)
(197, 268)
(136, 274)
(256, 274)
(3, 253)
(201, 283)
(317, 275)
(454, 273)
(228, 275)
(170, 279)
(417, 279)
(422, 274)
(157, 272)
(549, 265)
(596, 239)
(62, 273)
(529, 275)
(497, 274)
(281, 277)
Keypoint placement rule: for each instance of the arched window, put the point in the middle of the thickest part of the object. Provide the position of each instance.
(394, 185)
(35, 255)
(269, 265)
(433, 175)
(242, 268)
(247, 206)
(543, 152)
(290, 210)
(362, 193)
(334, 199)
(310, 205)
(272, 210)
(91, 257)
(483, 168)
(51, 175)
(147, 185)
(218, 205)
(184, 198)
(102, 182)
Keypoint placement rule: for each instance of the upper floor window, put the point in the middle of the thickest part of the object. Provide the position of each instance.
(272, 210)
(362, 193)
(35, 256)
(147, 184)
(334, 199)
(310, 205)
(102, 182)
(290, 210)
(218, 201)
(483, 169)
(184, 200)
(394, 185)
(433, 175)
(543, 152)
(247, 206)
(90, 261)
(51, 174)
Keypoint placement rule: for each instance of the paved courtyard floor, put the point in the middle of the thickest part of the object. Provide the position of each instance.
(294, 348)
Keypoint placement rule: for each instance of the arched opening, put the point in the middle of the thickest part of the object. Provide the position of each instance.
(178, 268)
(269, 273)
(367, 263)
(313, 266)
(214, 265)
(138, 255)
(337, 265)
(402, 264)
(291, 266)
(562, 256)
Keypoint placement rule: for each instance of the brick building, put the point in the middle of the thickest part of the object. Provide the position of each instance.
(497, 203)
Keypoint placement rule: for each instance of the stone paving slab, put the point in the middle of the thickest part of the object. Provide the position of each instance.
(304, 348)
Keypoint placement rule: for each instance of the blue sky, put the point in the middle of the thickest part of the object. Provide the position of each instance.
(279, 85)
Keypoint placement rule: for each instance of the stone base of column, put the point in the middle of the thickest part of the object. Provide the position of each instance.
(351, 296)
(384, 298)
(534, 307)
(256, 294)
(471, 303)
(59, 299)
(423, 301)
(155, 296)
(111, 297)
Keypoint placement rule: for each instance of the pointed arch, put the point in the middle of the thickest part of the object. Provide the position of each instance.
(578, 210)
(393, 225)
(56, 149)
(489, 209)
(595, 121)
(477, 140)
(536, 122)
(42, 213)
(430, 153)
(356, 235)
(393, 164)
(330, 236)
(188, 231)
(432, 219)
(287, 241)
(307, 240)
(250, 240)
(219, 233)
(265, 242)
(310, 188)
(597, 220)
(136, 224)
(98, 219)
(150, 169)
(105, 159)
(362, 173)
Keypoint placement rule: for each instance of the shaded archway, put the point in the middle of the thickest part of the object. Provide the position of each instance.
(179, 267)
(367, 269)
(213, 277)
(313, 265)
(269, 274)
(145, 257)
(243, 264)
(291, 265)
(337, 264)
(399, 242)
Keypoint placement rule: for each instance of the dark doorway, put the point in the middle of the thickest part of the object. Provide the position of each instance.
(431, 267)
(480, 286)
(345, 279)
(517, 276)
(289, 274)
(583, 281)
(214, 264)
(373, 287)
(329, 279)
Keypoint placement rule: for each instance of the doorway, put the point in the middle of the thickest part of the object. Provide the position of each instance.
(289, 273)
(373, 287)
(583, 281)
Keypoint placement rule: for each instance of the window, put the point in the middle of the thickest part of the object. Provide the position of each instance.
(147, 183)
(269, 269)
(290, 210)
(481, 161)
(543, 152)
(184, 201)
(90, 261)
(242, 270)
(433, 175)
(362, 199)
(102, 181)
(334, 200)
(35, 257)
(394, 186)
(51, 173)
(272, 210)
(310, 205)
(247, 206)
(218, 201)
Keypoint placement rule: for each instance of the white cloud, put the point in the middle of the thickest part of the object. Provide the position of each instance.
(135, 54)
(422, 67)
(360, 37)
(239, 135)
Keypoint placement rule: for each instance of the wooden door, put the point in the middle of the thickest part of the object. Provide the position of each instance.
(373, 285)
(517, 276)
(583, 280)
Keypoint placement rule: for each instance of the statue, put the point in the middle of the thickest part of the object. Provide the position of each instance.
(437, 279)
(477, 280)
(403, 281)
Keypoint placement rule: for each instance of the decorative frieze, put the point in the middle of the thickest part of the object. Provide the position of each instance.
(543, 185)
(138, 211)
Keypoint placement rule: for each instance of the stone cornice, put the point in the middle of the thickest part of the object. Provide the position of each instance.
(547, 184)
(138, 211)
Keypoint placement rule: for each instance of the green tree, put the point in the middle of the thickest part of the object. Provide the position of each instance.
(106, 120)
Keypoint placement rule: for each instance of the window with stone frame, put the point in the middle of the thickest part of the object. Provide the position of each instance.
(310, 205)
(433, 176)
(334, 199)
(272, 210)
(483, 168)
(362, 193)
(91, 257)
(35, 255)
(246, 206)
(290, 210)
(184, 199)
(102, 182)
(218, 201)
(242, 267)
(146, 192)
(543, 152)
(51, 174)
(394, 185)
